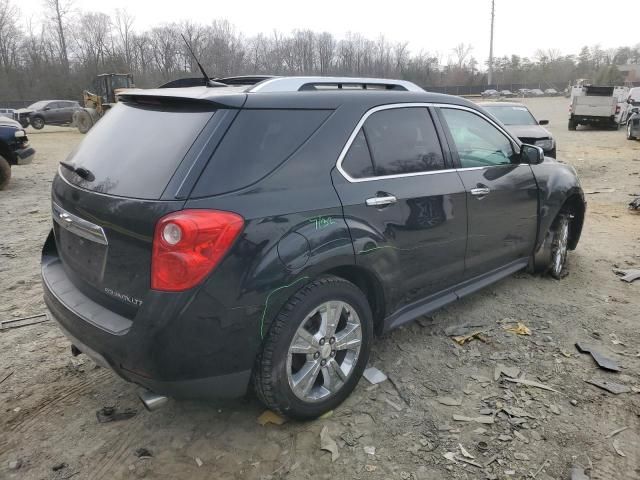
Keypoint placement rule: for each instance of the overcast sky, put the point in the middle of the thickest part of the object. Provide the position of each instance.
(522, 26)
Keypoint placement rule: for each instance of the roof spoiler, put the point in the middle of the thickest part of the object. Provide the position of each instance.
(183, 96)
(242, 80)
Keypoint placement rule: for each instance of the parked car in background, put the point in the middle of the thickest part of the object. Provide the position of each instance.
(536, 92)
(506, 93)
(490, 93)
(523, 92)
(551, 92)
(598, 106)
(48, 112)
(359, 205)
(14, 148)
(8, 113)
(520, 122)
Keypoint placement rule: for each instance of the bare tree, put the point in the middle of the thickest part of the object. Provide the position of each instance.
(124, 25)
(461, 52)
(58, 11)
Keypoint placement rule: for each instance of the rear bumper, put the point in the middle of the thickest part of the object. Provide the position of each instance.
(24, 156)
(152, 351)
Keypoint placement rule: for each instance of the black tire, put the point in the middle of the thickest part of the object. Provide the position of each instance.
(24, 122)
(82, 119)
(5, 172)
(37, 122)
(559, 232)
(572, 125)
(270, 376)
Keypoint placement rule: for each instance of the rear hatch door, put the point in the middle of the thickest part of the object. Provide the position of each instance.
(133, 168)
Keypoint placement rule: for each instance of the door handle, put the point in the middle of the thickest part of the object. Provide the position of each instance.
(381, 201)
(480, 192)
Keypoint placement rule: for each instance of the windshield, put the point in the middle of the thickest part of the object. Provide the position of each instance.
(513, 115)
(120, 82)
(38, 105)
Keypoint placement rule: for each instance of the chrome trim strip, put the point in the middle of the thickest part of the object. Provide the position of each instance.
(293, 84)
(390, 106)
(77, 225)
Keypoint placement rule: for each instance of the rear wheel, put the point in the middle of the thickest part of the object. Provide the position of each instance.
(316, 349)
(37, 123)
(5, 172)
(572, 125)
(629, 135)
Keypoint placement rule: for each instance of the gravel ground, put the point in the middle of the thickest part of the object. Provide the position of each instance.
(49, 400)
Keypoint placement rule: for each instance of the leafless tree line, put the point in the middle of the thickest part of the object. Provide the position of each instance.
(60, 56)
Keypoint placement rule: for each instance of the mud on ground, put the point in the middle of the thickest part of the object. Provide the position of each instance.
(48, 403)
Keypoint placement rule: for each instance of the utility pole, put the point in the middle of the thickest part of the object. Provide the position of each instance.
(493, 16)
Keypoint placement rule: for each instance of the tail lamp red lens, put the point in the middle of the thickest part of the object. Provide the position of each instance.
(187, 246)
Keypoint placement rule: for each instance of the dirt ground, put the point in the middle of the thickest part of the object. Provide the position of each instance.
(49, 401)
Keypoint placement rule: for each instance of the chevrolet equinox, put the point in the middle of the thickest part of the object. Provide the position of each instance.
(210, 238)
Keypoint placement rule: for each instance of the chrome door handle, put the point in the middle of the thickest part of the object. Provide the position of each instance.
(381, 201)
(480, 192)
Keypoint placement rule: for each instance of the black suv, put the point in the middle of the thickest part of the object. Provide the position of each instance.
(264, 234)
(48, 112)
(14, 148)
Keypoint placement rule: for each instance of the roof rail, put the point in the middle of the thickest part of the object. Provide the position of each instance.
(296, 84)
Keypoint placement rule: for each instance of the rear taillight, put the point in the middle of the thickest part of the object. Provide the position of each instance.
(617, 109)
(187, 246)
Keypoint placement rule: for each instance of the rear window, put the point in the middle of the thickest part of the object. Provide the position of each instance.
(257, 142)
(134, 149)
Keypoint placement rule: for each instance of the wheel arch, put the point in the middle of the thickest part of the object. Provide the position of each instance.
(370, 285)
(575, 205)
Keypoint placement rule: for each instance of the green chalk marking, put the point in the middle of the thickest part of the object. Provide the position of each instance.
(266, 303)
(321, 222)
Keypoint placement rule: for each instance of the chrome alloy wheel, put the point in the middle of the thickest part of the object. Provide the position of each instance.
(560, 247)
(324, 351)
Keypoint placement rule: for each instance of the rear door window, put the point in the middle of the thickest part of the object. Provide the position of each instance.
(134, 150)
(257, 143)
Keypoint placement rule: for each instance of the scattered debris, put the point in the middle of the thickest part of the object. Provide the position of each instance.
(611, 387)
(370, 450)
(329, 444)
(599, 190)
(326, 415)
(270, 417)
(23, 321)
(370, 468)
(464, 452)
(573, 402)
(520, 436)
(59, 466)
(7, 376)
(616, 432)
(554, 409)
(627, 275)
(111, 414)
(505, 438)
(520, 329)
(602, 361)
(482, 419)
(15, 464)
(198, 462)
(462, 330)
(450, 402)
(374, 376)
(462, 339)
(517, 412)
(393, 405)
(481, 378)
(143, 453)
(615, 340)
(521, 456)
(634, 204)
(577, 473)
(350, 438)
(482, 446)
(531, 383)
(537, 472)
(511, 372)
(616, 447)
(451, 456)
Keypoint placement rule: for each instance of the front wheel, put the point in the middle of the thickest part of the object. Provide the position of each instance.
(5, 172)
(559, 245)
(316, 349)
(629, 134)
(37, 123)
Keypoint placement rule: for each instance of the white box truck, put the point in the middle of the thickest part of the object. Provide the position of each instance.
(598, 106)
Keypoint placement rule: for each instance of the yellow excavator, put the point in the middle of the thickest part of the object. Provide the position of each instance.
(100, 98)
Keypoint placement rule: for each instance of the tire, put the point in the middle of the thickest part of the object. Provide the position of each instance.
(629, 136)
(37, 123)
(279, 375)
(24, 122)
(83, 121)
(559, 232)
(572, 125)
(5, 172)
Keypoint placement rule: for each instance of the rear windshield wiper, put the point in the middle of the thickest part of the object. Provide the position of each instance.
(80, 171)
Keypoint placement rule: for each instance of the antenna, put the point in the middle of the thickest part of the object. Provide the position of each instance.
(493, 16)
(207, 79)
